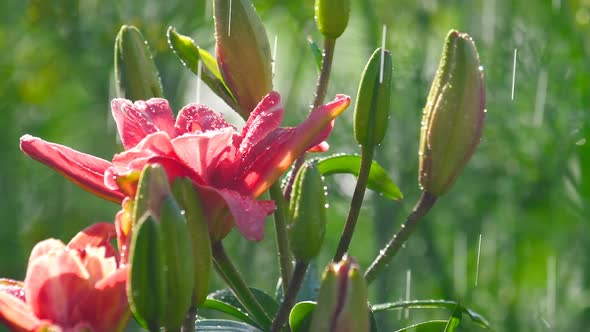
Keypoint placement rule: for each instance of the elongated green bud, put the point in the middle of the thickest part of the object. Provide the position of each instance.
(342, 299)
(331, 16)
(371, 112)
(151, 189)
(146, 286)
(136, 74)
(453, 116)
(188, 198)
(243, 52)
(307, 222)
(178, 264)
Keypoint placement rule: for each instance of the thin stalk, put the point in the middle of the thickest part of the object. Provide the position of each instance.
(424, 204)
(189, 319)
(290, 296)
(285, 262)
(356, 203)
(320, 94)
(234, 279)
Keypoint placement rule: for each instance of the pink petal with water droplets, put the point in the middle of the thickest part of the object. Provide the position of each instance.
(249, 214)
(13, 287)
(95, 235)
(265, 118)
(271, 157)
(85, 170)
(193, 118)
(136, 121)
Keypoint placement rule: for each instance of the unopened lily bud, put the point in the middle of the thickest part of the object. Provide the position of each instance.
(243, 52)
(331, 16)
(371, 113)
(453, 116)
(151, 189)
(146, 286)
(342, 299)
(307, 210)
(188, 198)
(178, 264)
(136, 74)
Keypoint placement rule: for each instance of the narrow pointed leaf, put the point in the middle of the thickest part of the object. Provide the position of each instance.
(300, 317)
(224, 325)
(433, 304)
(317, 53)
(349, 164)
(190, 55)
(228, 309)
(269, 304)
(454, 320)
(429, 326)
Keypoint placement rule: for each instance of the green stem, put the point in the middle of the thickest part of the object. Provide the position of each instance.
(318, 99)
(324, 79)
(356, 203)
(232, 277)
(189, 319)
(290, 296)
(424, 204)
(285, 264)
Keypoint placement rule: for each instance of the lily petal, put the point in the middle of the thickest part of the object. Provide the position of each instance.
(96, 235)
(137, 120)
(17, 315)
(284, 145)
(83, 169)
(54, 285)
(193, 118)
(265, 118)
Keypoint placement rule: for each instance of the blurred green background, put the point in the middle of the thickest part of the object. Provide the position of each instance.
(526, 191)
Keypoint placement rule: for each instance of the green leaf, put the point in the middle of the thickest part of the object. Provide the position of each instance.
(433, 304)
(190, 55)
(268, 303)
(429, 326)
(224, 325)
(300, 316)
(454, 320)
(228, 309)
(350, 164)
(317, 53)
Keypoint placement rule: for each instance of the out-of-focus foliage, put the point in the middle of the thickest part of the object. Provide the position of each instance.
(526, 190)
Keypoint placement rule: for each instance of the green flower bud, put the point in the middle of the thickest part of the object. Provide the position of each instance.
(371, 112)
(136, 74)
(453, 116)
(178, 264)
(243, 52)
(188, 198)
(307, 211)
(146, 286)
(342, 299)
(331, 16)
(168, 240)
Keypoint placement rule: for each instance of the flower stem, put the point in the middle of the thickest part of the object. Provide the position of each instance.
(356, 203)
(189, 319)
(290, 296)
(232, 277)
(285, 264)
(324, 79)
(318, 99)
(424, 204)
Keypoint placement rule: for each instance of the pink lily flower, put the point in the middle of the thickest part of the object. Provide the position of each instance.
(74, 287)
(230, 168)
